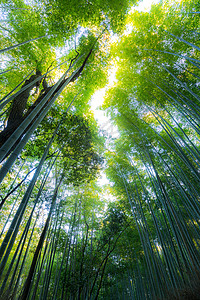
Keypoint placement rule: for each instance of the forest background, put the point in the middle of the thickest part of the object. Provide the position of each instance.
(63, 234)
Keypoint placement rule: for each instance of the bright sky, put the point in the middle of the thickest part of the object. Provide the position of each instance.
(98, 98)
(145, 5)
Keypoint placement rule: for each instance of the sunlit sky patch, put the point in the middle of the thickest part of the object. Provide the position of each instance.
(97, 99)
(144, 5)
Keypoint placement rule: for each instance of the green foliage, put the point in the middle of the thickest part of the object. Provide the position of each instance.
(74, 143)
(137, 237)
(64, 16)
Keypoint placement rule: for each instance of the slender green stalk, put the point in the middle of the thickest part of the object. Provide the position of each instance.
(20, 44)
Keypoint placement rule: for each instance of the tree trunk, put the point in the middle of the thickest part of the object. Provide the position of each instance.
(17, 109)
(17, 115)
(27, 284)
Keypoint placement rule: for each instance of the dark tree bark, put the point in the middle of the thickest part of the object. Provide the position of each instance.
(19, 104)
(17, 115)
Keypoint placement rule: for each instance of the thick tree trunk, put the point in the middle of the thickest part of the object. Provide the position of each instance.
(20, 102)
(16, 115)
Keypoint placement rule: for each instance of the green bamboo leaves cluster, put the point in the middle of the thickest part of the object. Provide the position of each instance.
(155, 168)
(63, 235)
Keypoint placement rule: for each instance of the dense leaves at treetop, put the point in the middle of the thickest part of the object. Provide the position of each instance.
(66, 232)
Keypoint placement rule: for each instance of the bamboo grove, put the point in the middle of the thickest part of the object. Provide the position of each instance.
(63, 234)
